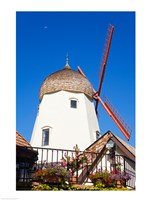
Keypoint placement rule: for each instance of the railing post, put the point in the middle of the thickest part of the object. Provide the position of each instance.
(124, 164)
(124, 168)
(77, 170)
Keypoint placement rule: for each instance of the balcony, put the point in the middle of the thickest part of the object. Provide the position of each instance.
(36, 158)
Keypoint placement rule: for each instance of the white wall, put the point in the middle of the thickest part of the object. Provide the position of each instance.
(69, 126)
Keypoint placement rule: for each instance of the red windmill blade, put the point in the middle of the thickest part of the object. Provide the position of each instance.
(122, 125)
(104, 60)
(119, 121)
(112, 112)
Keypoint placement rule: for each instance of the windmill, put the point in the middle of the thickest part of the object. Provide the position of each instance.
(112, 112)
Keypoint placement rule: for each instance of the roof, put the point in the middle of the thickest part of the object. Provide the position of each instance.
(128, 146)
(99, 145)
(67, 80)
(20, 141)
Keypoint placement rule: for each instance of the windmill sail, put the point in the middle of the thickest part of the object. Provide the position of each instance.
(104, 59)
(123, 126)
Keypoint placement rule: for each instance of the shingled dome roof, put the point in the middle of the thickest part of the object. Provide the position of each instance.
(67, 80)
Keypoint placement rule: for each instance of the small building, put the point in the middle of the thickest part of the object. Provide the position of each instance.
(112, 153)
(25, 159)
(109, 153)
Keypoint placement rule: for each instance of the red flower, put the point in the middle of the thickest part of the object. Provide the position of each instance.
(114, 171)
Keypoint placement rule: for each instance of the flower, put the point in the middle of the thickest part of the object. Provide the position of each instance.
(114, 171)
(73, 163)
(53, 170)
(109, 178)
(103, 175)
(116, 175)
(101, 178)
(126, 176)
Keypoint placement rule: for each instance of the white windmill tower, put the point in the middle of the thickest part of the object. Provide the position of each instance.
(66, 114)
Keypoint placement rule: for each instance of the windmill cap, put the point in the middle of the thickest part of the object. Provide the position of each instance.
(66, 80)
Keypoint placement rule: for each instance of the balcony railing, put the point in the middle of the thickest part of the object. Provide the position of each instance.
(96, 161)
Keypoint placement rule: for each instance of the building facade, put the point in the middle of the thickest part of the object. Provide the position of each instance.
(66, 114)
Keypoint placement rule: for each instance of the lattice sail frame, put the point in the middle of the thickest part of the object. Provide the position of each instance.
(113, 113)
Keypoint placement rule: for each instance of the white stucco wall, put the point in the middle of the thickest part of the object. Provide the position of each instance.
(68, 126)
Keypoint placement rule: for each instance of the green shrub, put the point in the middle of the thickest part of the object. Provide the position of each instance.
(41, 187)
(62, 187)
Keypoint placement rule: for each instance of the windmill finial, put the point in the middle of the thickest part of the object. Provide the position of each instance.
(67, 59)
(67, 64)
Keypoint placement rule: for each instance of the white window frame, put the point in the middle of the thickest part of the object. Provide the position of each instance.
(77, 102)
(44, 142)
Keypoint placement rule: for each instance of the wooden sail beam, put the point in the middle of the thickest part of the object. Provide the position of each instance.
(104, 60)
(114, 117)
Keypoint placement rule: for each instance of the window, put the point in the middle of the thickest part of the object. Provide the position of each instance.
(73, 104)
(45, 137)
(97, 135)
(110, 144)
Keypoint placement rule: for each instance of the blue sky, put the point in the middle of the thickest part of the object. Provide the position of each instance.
(43, 40)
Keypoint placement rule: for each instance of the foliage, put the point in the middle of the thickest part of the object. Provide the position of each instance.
(74, 163)
(118, 175)
(51, 172)
(41, 187)
(61, 174)
(63, 171)
(117, 167)
(76, 188)
(101, 178)
(100, 175)
(108, 179)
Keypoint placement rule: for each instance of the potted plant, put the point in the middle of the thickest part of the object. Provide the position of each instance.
(109, 179)
(119, 178)
(101, 177)
(75, 162)
(52, 173)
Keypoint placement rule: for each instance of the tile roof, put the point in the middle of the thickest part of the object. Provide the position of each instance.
(66, 80)
(20, 141)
